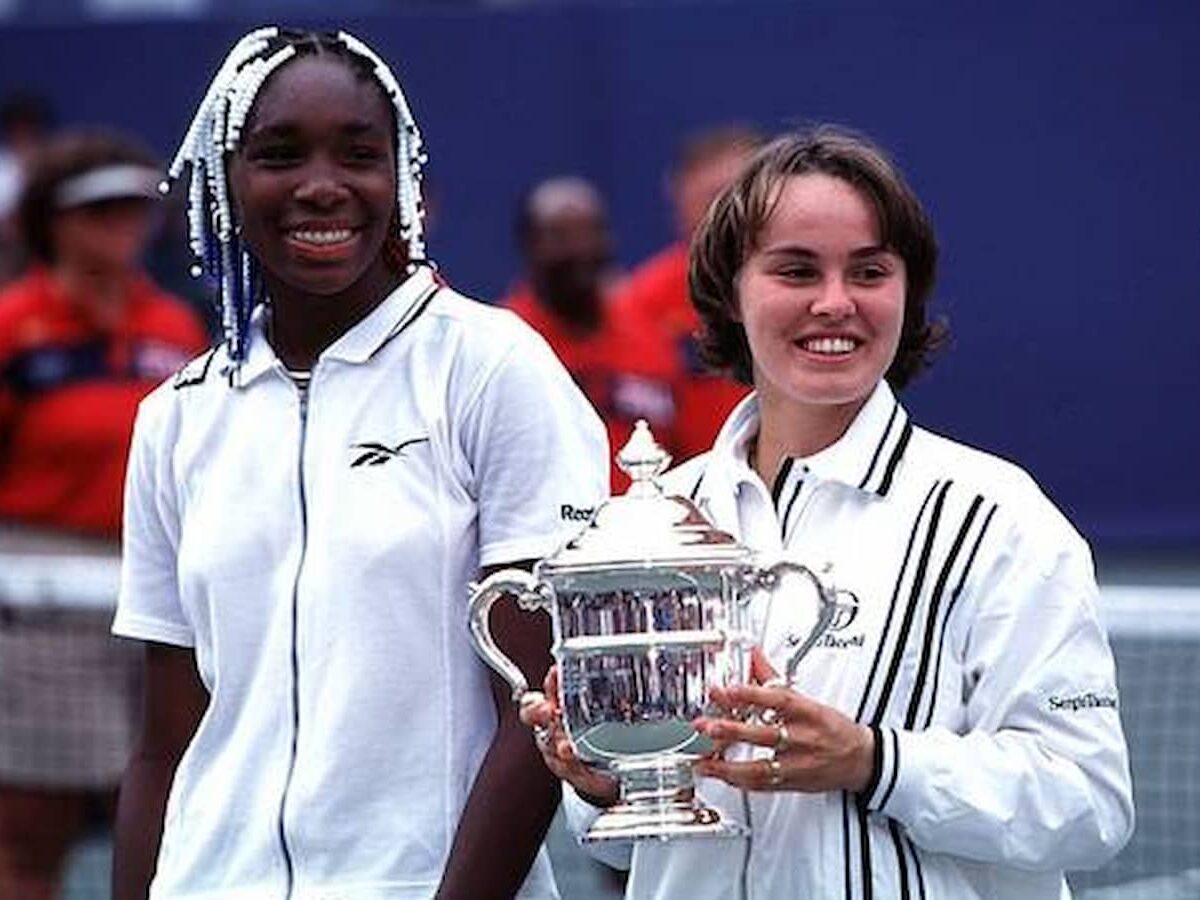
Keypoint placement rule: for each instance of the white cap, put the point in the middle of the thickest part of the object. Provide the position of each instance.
(119, 181)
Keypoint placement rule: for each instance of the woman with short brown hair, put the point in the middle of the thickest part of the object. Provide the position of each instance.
(954, 735)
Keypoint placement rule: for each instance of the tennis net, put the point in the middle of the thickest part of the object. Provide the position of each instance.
(1155, 633)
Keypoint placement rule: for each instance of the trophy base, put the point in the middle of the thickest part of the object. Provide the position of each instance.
(658, 800)
(632, 822)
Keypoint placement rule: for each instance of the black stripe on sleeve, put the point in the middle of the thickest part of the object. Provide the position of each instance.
(910, 608)
(879, 447)
(876, 763)
(895, 766)
(931, 618)
(962, 579)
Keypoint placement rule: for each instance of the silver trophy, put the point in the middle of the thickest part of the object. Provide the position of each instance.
(651, 608)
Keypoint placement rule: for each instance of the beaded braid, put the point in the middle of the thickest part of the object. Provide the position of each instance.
(410, 151)
(215, 132)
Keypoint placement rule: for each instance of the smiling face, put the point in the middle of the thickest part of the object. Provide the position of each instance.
(822, 303)
(314, 180)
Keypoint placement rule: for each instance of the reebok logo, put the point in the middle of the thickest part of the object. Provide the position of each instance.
(375, 454)
(571, 513)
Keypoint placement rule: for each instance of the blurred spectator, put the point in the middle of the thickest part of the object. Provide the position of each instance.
(626, 372)
(168, 260)
(655, 297)
(84, 335)
(25, 122)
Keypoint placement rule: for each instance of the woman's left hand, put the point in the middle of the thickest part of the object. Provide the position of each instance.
(814, 747)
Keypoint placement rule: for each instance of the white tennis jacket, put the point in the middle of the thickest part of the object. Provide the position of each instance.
(970, 641)
(314, 550)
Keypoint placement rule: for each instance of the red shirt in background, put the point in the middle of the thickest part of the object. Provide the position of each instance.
(655, 297)
(625, 372)
(69, 392)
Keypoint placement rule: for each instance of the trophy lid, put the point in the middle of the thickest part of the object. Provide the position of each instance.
(644, 525)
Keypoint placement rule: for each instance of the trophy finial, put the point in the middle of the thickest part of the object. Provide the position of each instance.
(642, 459)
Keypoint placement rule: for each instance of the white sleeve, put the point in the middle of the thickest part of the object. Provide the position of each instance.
(148, 606)
(1039, 778)
(538, 454)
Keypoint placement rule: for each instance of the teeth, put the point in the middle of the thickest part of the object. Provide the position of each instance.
(829, 345)
(332, 236)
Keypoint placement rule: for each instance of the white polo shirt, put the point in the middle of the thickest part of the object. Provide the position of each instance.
(318, 563)
(971, 642)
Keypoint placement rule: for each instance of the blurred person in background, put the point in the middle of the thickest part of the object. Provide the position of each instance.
(625, 371)
(25, 123)
(169, 263)
(655, 296)
(84, 335)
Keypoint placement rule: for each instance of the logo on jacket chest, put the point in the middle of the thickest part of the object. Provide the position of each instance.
(377, 453)
(838, 636)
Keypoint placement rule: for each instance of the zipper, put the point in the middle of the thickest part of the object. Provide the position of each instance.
(806, 491)
(302, 397)
(747, 813)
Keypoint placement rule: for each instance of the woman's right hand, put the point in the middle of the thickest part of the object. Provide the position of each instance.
(543, 715)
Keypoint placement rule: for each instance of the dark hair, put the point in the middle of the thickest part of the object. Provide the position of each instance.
(730, 233)
(63, 158)
(324, 43)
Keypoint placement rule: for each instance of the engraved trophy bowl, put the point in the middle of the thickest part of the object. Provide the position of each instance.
(651, 608)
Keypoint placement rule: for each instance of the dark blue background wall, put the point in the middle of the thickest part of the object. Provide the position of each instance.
(1056, 145)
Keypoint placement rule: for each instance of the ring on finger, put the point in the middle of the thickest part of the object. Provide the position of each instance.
(541, 736)
(782, 738)
(775, 769)
(769, 715)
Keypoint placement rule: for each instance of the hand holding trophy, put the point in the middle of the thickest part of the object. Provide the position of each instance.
(650, 606)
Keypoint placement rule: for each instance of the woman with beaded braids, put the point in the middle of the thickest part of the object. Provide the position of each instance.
(954, 735)
(306, 505)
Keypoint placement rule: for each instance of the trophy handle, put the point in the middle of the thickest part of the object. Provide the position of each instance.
(771, 581)
(531, 595)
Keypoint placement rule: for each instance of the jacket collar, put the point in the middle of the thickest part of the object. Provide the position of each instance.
(387, 320)
(865, 457)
